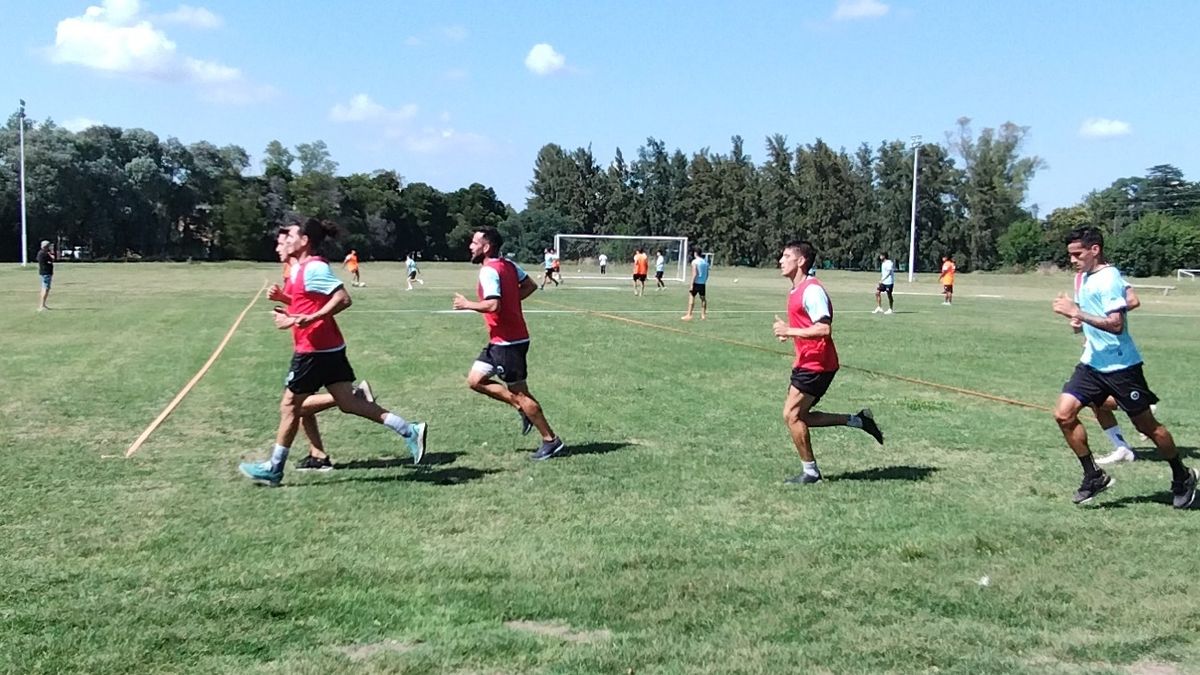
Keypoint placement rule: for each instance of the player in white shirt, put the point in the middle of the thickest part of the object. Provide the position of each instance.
(603, 260)
(887, 282)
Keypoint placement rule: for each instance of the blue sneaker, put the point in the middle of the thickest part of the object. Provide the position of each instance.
(416, 441)
(260, 472)
(549, 449)
(526, 425)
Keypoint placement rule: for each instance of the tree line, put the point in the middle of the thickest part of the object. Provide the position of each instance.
(125, 193)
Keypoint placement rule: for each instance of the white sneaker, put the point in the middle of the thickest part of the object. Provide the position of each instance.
(1118, 455)
(888, 312)
(877, 310)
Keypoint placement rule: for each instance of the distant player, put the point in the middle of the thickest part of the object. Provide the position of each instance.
(946, 279)
(699, 281)
(45, 261)
(313, 296)
(603, 260)
(351, 264)
(660, 266)
(1111, 366)
(548, 267)
(556, 265)
(413, 271)
(810, 327)
(640, 265)
(887, 282)
(502, 286)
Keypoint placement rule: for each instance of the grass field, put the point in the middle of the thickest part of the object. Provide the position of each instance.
(665, 542)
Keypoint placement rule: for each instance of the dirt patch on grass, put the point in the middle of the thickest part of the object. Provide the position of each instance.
(1153, 668)
(362, 652)
(561, 631)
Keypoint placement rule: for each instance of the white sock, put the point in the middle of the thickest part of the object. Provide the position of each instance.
(397, 424)
(855, 422)
(810, 468)
(278, 457)
(1114, 435)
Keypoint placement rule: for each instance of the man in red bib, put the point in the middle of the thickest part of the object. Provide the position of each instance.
(502, 286)
(313, 296)
(810, 327)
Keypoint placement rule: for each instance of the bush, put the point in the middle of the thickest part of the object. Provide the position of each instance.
(1021, 244)
(1156, 245)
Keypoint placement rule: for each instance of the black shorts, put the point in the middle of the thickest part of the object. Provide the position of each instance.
(885, 288)
(948, 288)
(639, 277)
(658, 274)
(603, 268)
(506, 362)
(412, 274)
(697, 289)
(313, 370)
(812, 383)
(1128, 386)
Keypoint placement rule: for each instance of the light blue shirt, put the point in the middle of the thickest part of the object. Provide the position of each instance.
(318, 278)
(412, 264)
(701, 265)
(887, 273)
(548, 261)
(489, 280)
(660, 264)
(1100, 293)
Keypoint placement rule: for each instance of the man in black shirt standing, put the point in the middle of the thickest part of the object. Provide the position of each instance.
(45, 260)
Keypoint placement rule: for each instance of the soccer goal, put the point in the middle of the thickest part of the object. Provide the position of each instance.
(579, 255)
(1181, 273)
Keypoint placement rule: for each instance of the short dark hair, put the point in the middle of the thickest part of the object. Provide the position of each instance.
(884, 254)
(805, 250)
(1088, 236)
(697, 253)
(494, 238)
(317, 232)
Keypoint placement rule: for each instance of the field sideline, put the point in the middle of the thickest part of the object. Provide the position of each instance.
(665, 542)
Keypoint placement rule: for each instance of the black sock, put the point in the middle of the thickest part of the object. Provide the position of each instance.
(1089, 465)
(1178, 470)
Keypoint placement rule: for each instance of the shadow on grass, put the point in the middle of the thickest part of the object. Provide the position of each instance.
(1163, 497)
(909, 473)
(452, 476)
(1150, 454)
(430, 459)
(598, 448)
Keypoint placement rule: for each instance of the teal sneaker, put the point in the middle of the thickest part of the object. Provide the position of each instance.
(416, 441)
(260, 472)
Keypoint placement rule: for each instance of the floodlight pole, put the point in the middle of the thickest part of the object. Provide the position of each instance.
(24, 232)
(912, 224)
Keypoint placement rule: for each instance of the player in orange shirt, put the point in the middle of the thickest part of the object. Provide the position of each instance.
(351, 264)
(641, 265)
(947, 280)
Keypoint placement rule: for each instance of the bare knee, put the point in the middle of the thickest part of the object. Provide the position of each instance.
(1065, 418)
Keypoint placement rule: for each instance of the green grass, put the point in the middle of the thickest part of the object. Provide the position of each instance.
(666, 543)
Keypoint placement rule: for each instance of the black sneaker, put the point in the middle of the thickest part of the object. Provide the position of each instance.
(1092, 486)
(803, 479)
(312, 463)
(526, 425)
(549, 449)
(869, 425)
(1184, 491)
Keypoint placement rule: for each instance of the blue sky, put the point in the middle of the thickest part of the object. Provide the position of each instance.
(451, 93)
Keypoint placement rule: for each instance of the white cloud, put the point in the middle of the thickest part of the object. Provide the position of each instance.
(77, 124)
(432, 140)
(455, 33)
(194, 17)
(413, 41)
(114, 38)
(544, 60)
(456, 74)
(849, 10)
(361, 108)
(1099, 127)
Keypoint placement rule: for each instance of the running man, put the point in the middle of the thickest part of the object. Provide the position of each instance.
(412, 271)
(45, 261)
(810, 327)
(640, 264)
(887, 282)
(548, 267)
(1111, 366)
(660, 266)
(699, 280)
(317, 459)
(946, 279)
(1104, 412)
(603, 260)
(502, 286)
(313, 296)
(351, 264)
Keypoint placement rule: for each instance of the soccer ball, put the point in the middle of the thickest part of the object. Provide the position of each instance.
(735, 281)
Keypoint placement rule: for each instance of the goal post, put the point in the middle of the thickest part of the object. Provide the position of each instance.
(579, 255)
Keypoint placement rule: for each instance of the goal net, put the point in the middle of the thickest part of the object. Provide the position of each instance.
(579, 255)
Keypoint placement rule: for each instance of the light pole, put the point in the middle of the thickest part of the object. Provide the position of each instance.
(912, 223)
(24, 233)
